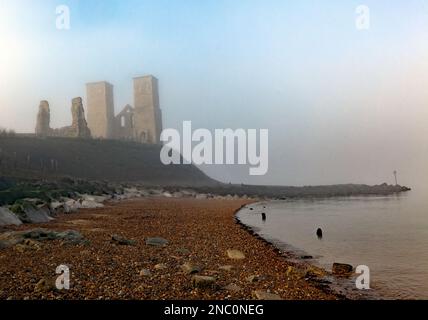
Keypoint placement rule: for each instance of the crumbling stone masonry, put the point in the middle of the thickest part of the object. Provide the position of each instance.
(141, 123)
(43, 120)
(78, 129)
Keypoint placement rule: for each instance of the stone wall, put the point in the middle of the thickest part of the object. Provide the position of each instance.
(143, 123)
(124, 124)
(78, 128)
(43, 120)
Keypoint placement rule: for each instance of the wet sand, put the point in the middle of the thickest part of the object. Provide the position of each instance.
(199, 232)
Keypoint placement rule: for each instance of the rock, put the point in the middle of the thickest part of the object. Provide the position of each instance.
(253, 278)
(145, 273)
(90, 204)
(117, 239)
(56, 206)
(45, 285)
(306, 257)
(39, 215)
(71, 206)
(233, 287)
(294, 272)
(157, 242)
(7, 217)
(39, 234)
(183, 251)
(178, 195)
(342, 268)
(228, 268)
(203, 282)
(235, 254)
(71, 237)
(10, 239)
(190, 268)
(161, 266)
(263, 295)
(94, 198)
(31, 211)
(319, 233)
(4, 244)
(314, 272)
(28, 244)
(13, 238)
(167, 195)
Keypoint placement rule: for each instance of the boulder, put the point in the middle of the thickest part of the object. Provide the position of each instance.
(71, 206)
(178, 195)
(145, 273)
(189, 268)
(31, 211)
(235, 254)
(263, 295)
(28, 244)
(342, 269)
(37, 215)
(157, 242)
(94, 198)
(161, 266)
(71, 237)
(314, 272)
(7, 217)
(233, 287)
(203, 282)
(117, 239)
(9, 239)
(228, 268)
(45, 285)
(253, 278)
(91, 204)
(183, 251)
(56, 206)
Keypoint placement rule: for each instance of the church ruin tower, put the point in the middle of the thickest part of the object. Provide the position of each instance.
(79, 127)
(147, 113)
(100, 104)
(43, 120)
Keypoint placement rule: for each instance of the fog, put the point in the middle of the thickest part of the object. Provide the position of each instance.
(342, 105)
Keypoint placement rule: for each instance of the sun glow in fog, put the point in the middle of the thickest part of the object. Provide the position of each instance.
(11, 44)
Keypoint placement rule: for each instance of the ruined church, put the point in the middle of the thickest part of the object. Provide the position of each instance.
(141, 122)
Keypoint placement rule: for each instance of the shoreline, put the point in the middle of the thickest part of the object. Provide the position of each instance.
(339, 285)
(199, 233)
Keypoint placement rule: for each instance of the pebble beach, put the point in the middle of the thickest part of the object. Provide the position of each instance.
(150, 249)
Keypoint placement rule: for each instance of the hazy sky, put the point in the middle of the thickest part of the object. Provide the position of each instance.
(342, 105)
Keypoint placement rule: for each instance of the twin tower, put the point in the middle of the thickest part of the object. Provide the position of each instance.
(141, 123)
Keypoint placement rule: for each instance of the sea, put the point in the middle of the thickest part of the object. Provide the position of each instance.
(388, 234)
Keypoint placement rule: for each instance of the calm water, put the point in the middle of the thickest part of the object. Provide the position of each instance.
(388, 234)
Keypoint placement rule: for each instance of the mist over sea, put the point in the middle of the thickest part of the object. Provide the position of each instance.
(389, 234)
